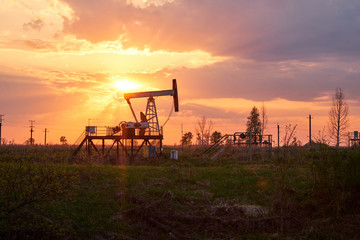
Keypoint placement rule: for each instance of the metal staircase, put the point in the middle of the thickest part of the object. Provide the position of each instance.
(80, 138)
(217, 148)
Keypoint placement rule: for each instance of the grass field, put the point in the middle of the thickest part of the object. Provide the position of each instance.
(299, 193)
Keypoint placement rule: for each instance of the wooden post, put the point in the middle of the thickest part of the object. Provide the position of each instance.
(278, 133)
(132, 151)
(103, 147)
(117, 151)
(309, 129)
(161, 150)
(250, 146)
(88, 146)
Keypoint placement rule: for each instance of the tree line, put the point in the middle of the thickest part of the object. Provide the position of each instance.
(205, 136)
(257, 123)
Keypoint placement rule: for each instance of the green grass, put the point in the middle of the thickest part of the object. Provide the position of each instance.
(190, 198)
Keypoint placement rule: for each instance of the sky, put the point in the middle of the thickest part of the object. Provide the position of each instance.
(66, 63)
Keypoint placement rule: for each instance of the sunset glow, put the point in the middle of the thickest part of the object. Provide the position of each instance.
(63, 62)
(179, 119)
(126, 86)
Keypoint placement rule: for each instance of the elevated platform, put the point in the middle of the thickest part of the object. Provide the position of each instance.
(354, 139)
(117, 137)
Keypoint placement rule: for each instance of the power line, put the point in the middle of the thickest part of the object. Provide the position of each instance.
(24, 126)
(12, 121)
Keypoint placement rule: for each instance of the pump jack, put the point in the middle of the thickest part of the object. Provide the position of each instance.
(150, 121)
(147, 129)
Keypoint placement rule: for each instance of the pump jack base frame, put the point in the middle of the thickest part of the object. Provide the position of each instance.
(130, 153)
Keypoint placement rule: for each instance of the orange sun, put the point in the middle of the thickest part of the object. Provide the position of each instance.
(126, 86)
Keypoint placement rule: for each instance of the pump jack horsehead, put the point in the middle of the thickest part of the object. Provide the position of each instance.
(149, 123)
(147, 129)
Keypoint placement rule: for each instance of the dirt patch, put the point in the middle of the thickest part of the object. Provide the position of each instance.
(164, 218)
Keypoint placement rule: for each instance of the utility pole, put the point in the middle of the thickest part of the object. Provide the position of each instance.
(278, 133)
(309, 129)
(31, 131)
(182, 135)
(89, 119)
(1, 119)
(46, 131)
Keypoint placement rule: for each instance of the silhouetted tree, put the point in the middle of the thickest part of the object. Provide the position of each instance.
(63, 140)
(215, 137)
(4, 141)
(338, 117)
(203, 130)
(253, 123)
(30, 141)
(187, 138)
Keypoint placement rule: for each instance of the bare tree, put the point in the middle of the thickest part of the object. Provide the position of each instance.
(290, 138)
(203, 130)
(264, 119)
(338, 117)
(4, 141)
(321, 137)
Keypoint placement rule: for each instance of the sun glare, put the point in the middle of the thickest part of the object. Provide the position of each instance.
(126, 86)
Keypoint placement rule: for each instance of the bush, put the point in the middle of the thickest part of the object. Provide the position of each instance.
(24, 189)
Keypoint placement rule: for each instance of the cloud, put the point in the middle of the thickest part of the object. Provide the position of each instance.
(262, 30)
(199, 110)
(39, 44)
(295, 50)
(34, 24)
(21, 95)
(259, 81)
(147, 3)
